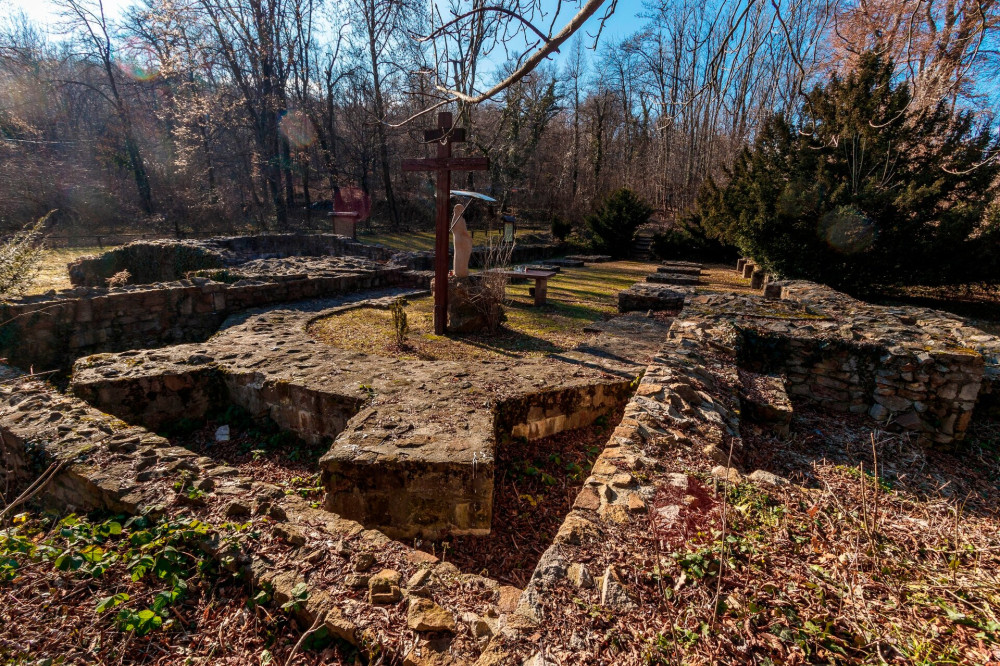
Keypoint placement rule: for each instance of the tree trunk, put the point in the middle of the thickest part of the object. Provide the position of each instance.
(286, 163)
(383, 147)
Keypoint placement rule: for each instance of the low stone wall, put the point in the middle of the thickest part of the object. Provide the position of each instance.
(169, 260)
(910, 369)
(49, 333)
(644, 296)
(539, 415)
(931, 393)
(105, 464)
(522, 253)
(684, 416)
(413, 441)
(913, 326)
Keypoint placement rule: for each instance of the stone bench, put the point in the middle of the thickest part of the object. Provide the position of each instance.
(565, 262)
(647, 296)
(679, 269)
(591, 258)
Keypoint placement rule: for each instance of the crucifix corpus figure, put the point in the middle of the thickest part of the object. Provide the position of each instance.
(462, 240)
(444, 135)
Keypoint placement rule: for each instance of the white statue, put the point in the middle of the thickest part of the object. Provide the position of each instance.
(463, 242)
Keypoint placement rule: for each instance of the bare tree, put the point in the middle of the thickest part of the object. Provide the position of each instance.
(250, 42)
(940, 46)
(87, 22)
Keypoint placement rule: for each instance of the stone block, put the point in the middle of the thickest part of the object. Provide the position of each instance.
(465, 309)
(383, 587)
(642, 297)
(423, 615)
(675, 268)
(673, 278)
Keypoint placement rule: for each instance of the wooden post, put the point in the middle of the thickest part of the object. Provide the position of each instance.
(541, 290)
(444, 135)
(443, 197)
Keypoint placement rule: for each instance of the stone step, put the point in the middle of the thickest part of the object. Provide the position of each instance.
(682, 269)
(565, 262)
(673, 278)
(591, 258)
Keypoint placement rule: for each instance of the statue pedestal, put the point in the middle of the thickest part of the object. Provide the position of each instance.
(466, 307)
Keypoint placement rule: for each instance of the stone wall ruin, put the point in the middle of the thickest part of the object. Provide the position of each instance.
(700, 382)
(182, 291)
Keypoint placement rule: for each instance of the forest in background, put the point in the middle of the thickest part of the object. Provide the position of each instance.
(197, 116)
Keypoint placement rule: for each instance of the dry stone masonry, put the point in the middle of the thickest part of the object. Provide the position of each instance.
(51, 331)
(181, 291)
(413, 442)
(412, 445)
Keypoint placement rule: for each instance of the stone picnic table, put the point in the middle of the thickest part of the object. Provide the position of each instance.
(541, 281)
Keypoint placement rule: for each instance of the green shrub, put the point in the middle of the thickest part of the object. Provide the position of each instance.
(865, 190)
(616, 221)
(560, 228)
(691, 243)
(400, 325)
(21, 258)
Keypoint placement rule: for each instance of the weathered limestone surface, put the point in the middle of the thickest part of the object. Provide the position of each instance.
(412, 441)
(590, 258)
(763, 400)
(644, 296)
(189, 287)
(169, 260)
(686, 400)
(566, 262)
(827, 348)
(679, 267)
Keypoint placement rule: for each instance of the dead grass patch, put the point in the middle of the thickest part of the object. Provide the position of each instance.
(576, 298)
(53, 273)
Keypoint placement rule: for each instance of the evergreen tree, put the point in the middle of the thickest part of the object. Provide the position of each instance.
(616, 221)
(862, 192)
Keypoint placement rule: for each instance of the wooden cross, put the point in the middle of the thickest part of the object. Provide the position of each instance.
(444, 135)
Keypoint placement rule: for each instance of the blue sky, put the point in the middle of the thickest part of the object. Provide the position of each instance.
(622, 23)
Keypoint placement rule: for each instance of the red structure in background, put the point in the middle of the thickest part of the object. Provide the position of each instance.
(350, 206)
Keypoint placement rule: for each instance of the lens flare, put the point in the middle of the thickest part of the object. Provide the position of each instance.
(296, 127)
(847, 230)
(135, 72)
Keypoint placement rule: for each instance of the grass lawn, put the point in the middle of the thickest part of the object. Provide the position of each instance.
(576, 297)
(53, 273)
(422, 241)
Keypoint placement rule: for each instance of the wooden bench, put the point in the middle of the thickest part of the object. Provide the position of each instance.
(541, 281)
